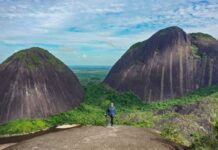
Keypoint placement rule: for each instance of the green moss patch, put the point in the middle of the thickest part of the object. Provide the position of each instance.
(203, 36)
(34, 58)
(196, 52)
(134, 46)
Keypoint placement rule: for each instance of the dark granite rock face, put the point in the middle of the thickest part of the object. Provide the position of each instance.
(168, 64)
(34, 83)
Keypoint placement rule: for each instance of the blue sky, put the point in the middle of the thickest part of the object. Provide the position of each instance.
(96, 32)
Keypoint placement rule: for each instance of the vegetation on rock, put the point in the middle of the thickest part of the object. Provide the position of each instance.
(203, 36)
(136, 45)
(35, 57)
(195, 52)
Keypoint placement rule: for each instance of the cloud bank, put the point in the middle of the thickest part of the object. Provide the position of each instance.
(94, 32)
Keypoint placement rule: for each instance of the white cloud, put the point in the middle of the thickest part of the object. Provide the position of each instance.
(84, 56)
(100, 22)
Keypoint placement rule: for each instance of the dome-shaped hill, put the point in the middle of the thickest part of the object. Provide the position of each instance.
(34, 83)
(170, 63)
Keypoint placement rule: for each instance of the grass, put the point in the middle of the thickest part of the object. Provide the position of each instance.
(202, 142)
(172, 132)
(24, 126)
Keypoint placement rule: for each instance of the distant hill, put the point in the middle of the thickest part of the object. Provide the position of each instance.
(34, 83)
(169, 64)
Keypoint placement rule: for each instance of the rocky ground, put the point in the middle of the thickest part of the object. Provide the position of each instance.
(98, 138)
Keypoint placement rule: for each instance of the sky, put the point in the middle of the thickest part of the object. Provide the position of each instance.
(96, 32)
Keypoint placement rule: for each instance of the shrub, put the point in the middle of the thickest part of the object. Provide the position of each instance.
(172, 132)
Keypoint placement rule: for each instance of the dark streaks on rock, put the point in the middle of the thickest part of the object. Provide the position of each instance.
(33, 84)
(170, 63)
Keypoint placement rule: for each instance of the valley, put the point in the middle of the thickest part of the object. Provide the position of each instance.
(182, 107)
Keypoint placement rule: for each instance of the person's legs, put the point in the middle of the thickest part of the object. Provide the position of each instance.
(112, 120)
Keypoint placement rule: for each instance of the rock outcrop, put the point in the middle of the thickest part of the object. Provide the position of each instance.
(34, 83)
(168, 64)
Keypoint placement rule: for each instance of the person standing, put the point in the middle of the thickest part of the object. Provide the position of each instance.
(111, 112)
